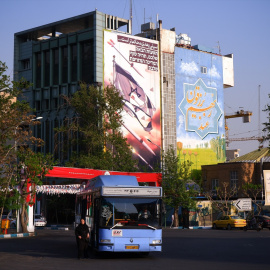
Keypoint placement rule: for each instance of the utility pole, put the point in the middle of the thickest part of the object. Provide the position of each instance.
(130, 14)
(259, 112)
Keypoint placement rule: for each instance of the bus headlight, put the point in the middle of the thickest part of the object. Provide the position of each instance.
(105, 241)
(156, 242)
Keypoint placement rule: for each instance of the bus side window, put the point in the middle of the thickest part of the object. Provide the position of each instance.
(96, 210)
(89, 205)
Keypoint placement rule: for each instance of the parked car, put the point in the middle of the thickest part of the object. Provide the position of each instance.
(265, 220)
(40, 221)
(229, 222)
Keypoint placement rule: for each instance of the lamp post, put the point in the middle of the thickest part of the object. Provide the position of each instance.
(31, 226)
(3, 89)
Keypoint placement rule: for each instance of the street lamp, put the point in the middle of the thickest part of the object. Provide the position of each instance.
(3, 89)
(22, 171)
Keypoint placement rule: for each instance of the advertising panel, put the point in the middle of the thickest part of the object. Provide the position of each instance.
(131, 64)
(266, 176)
(199, 107)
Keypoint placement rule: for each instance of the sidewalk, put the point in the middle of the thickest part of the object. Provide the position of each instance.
(13, 234)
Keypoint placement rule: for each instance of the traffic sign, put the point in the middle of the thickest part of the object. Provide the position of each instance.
(243, 204)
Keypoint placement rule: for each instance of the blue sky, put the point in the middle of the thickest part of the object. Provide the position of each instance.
(240, 27)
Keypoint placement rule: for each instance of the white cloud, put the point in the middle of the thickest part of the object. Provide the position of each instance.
(181, 123)
(213, 72)
(212, 84)
(189, 68)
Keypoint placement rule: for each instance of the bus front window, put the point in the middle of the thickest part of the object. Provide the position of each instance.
(130, 212)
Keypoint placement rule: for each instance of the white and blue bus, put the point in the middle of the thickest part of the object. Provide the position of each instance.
(122, 216)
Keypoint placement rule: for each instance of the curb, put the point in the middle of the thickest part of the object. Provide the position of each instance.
(201, 228)
(17, 235)
(193, 228)
(53, 227)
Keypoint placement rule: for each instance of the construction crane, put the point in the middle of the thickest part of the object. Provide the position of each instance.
(241, 113)
(260, 139)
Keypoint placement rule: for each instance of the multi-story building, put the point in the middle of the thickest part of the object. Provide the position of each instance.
(173, 92)
(55, 58)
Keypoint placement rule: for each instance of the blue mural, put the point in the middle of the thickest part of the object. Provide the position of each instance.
(200, 104)
(200, 108)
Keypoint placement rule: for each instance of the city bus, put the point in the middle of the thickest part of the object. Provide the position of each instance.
(122, 216)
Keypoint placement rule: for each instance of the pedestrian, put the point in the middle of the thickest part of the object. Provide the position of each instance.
(172, 220)
(82, 238)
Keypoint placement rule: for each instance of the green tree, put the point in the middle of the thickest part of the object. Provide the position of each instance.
(32, 170)
(15, 149)
(95, 132)
(178, 188)
(252, 191)
(220, 199)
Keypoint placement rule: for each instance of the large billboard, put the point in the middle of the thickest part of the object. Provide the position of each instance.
(199, 107)
(131, 64)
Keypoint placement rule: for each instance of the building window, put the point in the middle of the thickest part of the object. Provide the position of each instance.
(234, 181)
(87, 61)
(74, 63)
(64, 64)
(45, 104)
(37, 105)
(54, 103)
(47, 138)
(204, 70)
(47, 68)
(215, 184)
(38, 70)
(25, 64)
(55, 66)
(56, 139)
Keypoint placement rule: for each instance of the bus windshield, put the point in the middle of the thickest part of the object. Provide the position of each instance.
(130, 212)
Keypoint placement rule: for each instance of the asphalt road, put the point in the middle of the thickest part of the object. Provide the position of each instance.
(182, 249)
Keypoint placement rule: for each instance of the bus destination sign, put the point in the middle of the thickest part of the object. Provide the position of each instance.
(132, 191)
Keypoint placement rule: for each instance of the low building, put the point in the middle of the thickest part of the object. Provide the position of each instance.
(236, 172)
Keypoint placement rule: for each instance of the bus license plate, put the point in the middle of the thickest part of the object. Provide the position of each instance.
(132, 247)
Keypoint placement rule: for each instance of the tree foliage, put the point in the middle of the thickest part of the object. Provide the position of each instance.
(267, 124)
(253, 191)
(220, 199)
(94, 131)
(176, 184)
(15, 149)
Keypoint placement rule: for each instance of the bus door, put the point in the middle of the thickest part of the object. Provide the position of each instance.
(95, 231)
